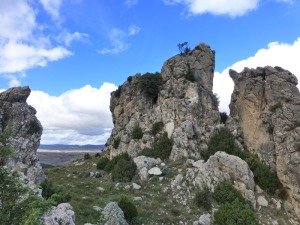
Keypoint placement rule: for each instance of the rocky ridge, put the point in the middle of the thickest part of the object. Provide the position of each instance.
(264, 112)
(187, 109)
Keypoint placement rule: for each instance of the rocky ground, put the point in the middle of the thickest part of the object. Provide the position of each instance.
(167, 198)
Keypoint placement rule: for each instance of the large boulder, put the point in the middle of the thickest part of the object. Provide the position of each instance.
(187, 108)
(113, 215)
(18, 119)
(222, 166)
(62, 214)
(264, 110)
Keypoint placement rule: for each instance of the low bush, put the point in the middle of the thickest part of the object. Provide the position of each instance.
(97, 155)
(162, 148)
(157, 127)
(137, 133)
(54, 194)
(129, 79)
(116, 142)
(225, 192)
(221, 140)
(203, 198)
(223, 117)
(87, 156)
(235, 213)
(118, 92)
(122, 168)
(128, 207)
(150, 84)
(273, 108)
(101, 164)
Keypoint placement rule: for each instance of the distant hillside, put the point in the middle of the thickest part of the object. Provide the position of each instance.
(71, 147)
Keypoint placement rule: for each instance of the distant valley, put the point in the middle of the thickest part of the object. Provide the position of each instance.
(58, 154)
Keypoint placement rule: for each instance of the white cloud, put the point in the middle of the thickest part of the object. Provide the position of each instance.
(67, 38)
(23, 45)
(276, 54)
(52, 7)
(232, 8)
(118, 39)
(131, 3)
(79, 116)
(17, 20)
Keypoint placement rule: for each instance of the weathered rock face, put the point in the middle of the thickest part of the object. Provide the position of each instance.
(222, 166)
(188, 110)
(63, 214)
(264, 112)
(18, 118)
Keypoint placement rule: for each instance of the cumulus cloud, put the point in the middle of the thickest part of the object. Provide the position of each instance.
(79, 116)
(275, 54)
(23, 45)
(232, 8)
(118, 39)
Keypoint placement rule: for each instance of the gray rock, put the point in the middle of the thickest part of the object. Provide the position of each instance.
(196, 107)
(112, 215)
(101, 189)
(222, 166)
(143, 174)
(97, 208)
(136, 186)
(262, 201)
(137, 199)
(155, 171)
(63, 214)
(17, 115)
(205, 219)
(264, 111)
(143, 161)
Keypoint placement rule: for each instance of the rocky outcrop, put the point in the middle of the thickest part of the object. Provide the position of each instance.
(185, 105)
(18, 119)
(112, 215)
(63, 214)
(264, 112)
(222, 166)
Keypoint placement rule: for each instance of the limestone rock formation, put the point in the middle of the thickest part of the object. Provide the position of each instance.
(185, 105)
(113, 215)
(264, 110)
(222, 166)
(63, 214)
(19, 120)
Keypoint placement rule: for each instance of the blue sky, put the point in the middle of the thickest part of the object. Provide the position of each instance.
(73, 53)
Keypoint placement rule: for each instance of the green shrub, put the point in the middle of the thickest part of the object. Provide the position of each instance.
(129, 79)
(101, 164)
(157, 127)
(224, 117)
(225, 192)
(273, 108)
(116, 142)
(235, 213)
(203, 198)
(189, 75)
(183, 48)
(87, 156)
(19, 205)
(221, 140)
(137, 133)
(117, 93)
(54, 194)
(161, 148)
(122, 167)
(129, 209)
(150, 84)
(97, 155)
(124, 170)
